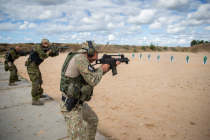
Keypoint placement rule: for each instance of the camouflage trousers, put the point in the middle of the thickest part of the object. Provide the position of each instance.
(36, 79)
(13, 73)
(81, 122)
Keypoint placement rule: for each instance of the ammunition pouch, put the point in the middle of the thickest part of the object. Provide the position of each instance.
(78, 91)
(34, 57)
(86, 93)
(70, 103)
(73, 90)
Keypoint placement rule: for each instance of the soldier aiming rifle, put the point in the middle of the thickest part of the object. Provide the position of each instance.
(9, 65)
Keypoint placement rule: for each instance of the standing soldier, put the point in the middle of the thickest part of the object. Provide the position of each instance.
(10, 57)
(78, 78)
(37, 56)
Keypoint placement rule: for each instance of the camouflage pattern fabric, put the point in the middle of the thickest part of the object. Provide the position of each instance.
(91, 76)
(36, 79)
(11, 66)
(40, 50)
(14, 54)
(35, 74)
(13, 73)
(81, 122)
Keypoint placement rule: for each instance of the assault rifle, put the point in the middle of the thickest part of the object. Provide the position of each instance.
(111, 60)
(9, 58)
(55, 48)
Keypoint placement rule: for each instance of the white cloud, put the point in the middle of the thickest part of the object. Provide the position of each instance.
(27, 25)
(46, 14)
(145, 16)
(88, 20)
(135, 28)
(24, 25)
(8, 26)
(74, 36)
(155, 25)
(124, 21)
(54, 28)
(203, 12)
(175, 28)
(27, 39)
(110, 25)
(48, 2)
(173, 4)
(208, 28)
(32, 25)
(111, 37)
(183, 41)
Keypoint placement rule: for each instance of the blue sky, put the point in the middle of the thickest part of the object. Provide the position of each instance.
(133, 22)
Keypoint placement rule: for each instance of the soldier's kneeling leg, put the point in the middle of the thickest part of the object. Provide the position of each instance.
(92, 121)
(76, 125)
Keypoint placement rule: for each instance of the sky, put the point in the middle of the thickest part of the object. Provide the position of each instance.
(125, 22)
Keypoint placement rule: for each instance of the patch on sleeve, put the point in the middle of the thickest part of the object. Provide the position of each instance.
(91, 68)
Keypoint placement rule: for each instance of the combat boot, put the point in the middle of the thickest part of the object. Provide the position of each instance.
(37, 102)
(43, 96)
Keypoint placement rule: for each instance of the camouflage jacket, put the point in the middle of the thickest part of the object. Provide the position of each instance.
(78, 77)
(38, 55)
(80, 65)
(41, 52)
(11, 55)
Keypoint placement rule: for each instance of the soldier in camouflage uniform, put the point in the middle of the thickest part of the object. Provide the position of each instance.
(78, 79)
(37, 56)
(10, 57)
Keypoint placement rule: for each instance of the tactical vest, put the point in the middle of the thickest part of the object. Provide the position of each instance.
(77, 87)
(34, 57)
(11, 55)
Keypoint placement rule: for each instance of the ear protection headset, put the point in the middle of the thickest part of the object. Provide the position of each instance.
(91, 50)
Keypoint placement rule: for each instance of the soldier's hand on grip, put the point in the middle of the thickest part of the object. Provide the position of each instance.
(105, 67)
(117, 62)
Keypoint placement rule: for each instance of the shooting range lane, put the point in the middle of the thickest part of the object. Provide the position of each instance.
(147, 99)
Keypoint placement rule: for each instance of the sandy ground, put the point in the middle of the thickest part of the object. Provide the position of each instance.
(147, 100)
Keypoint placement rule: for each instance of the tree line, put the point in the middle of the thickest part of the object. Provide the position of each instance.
(196, 42)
